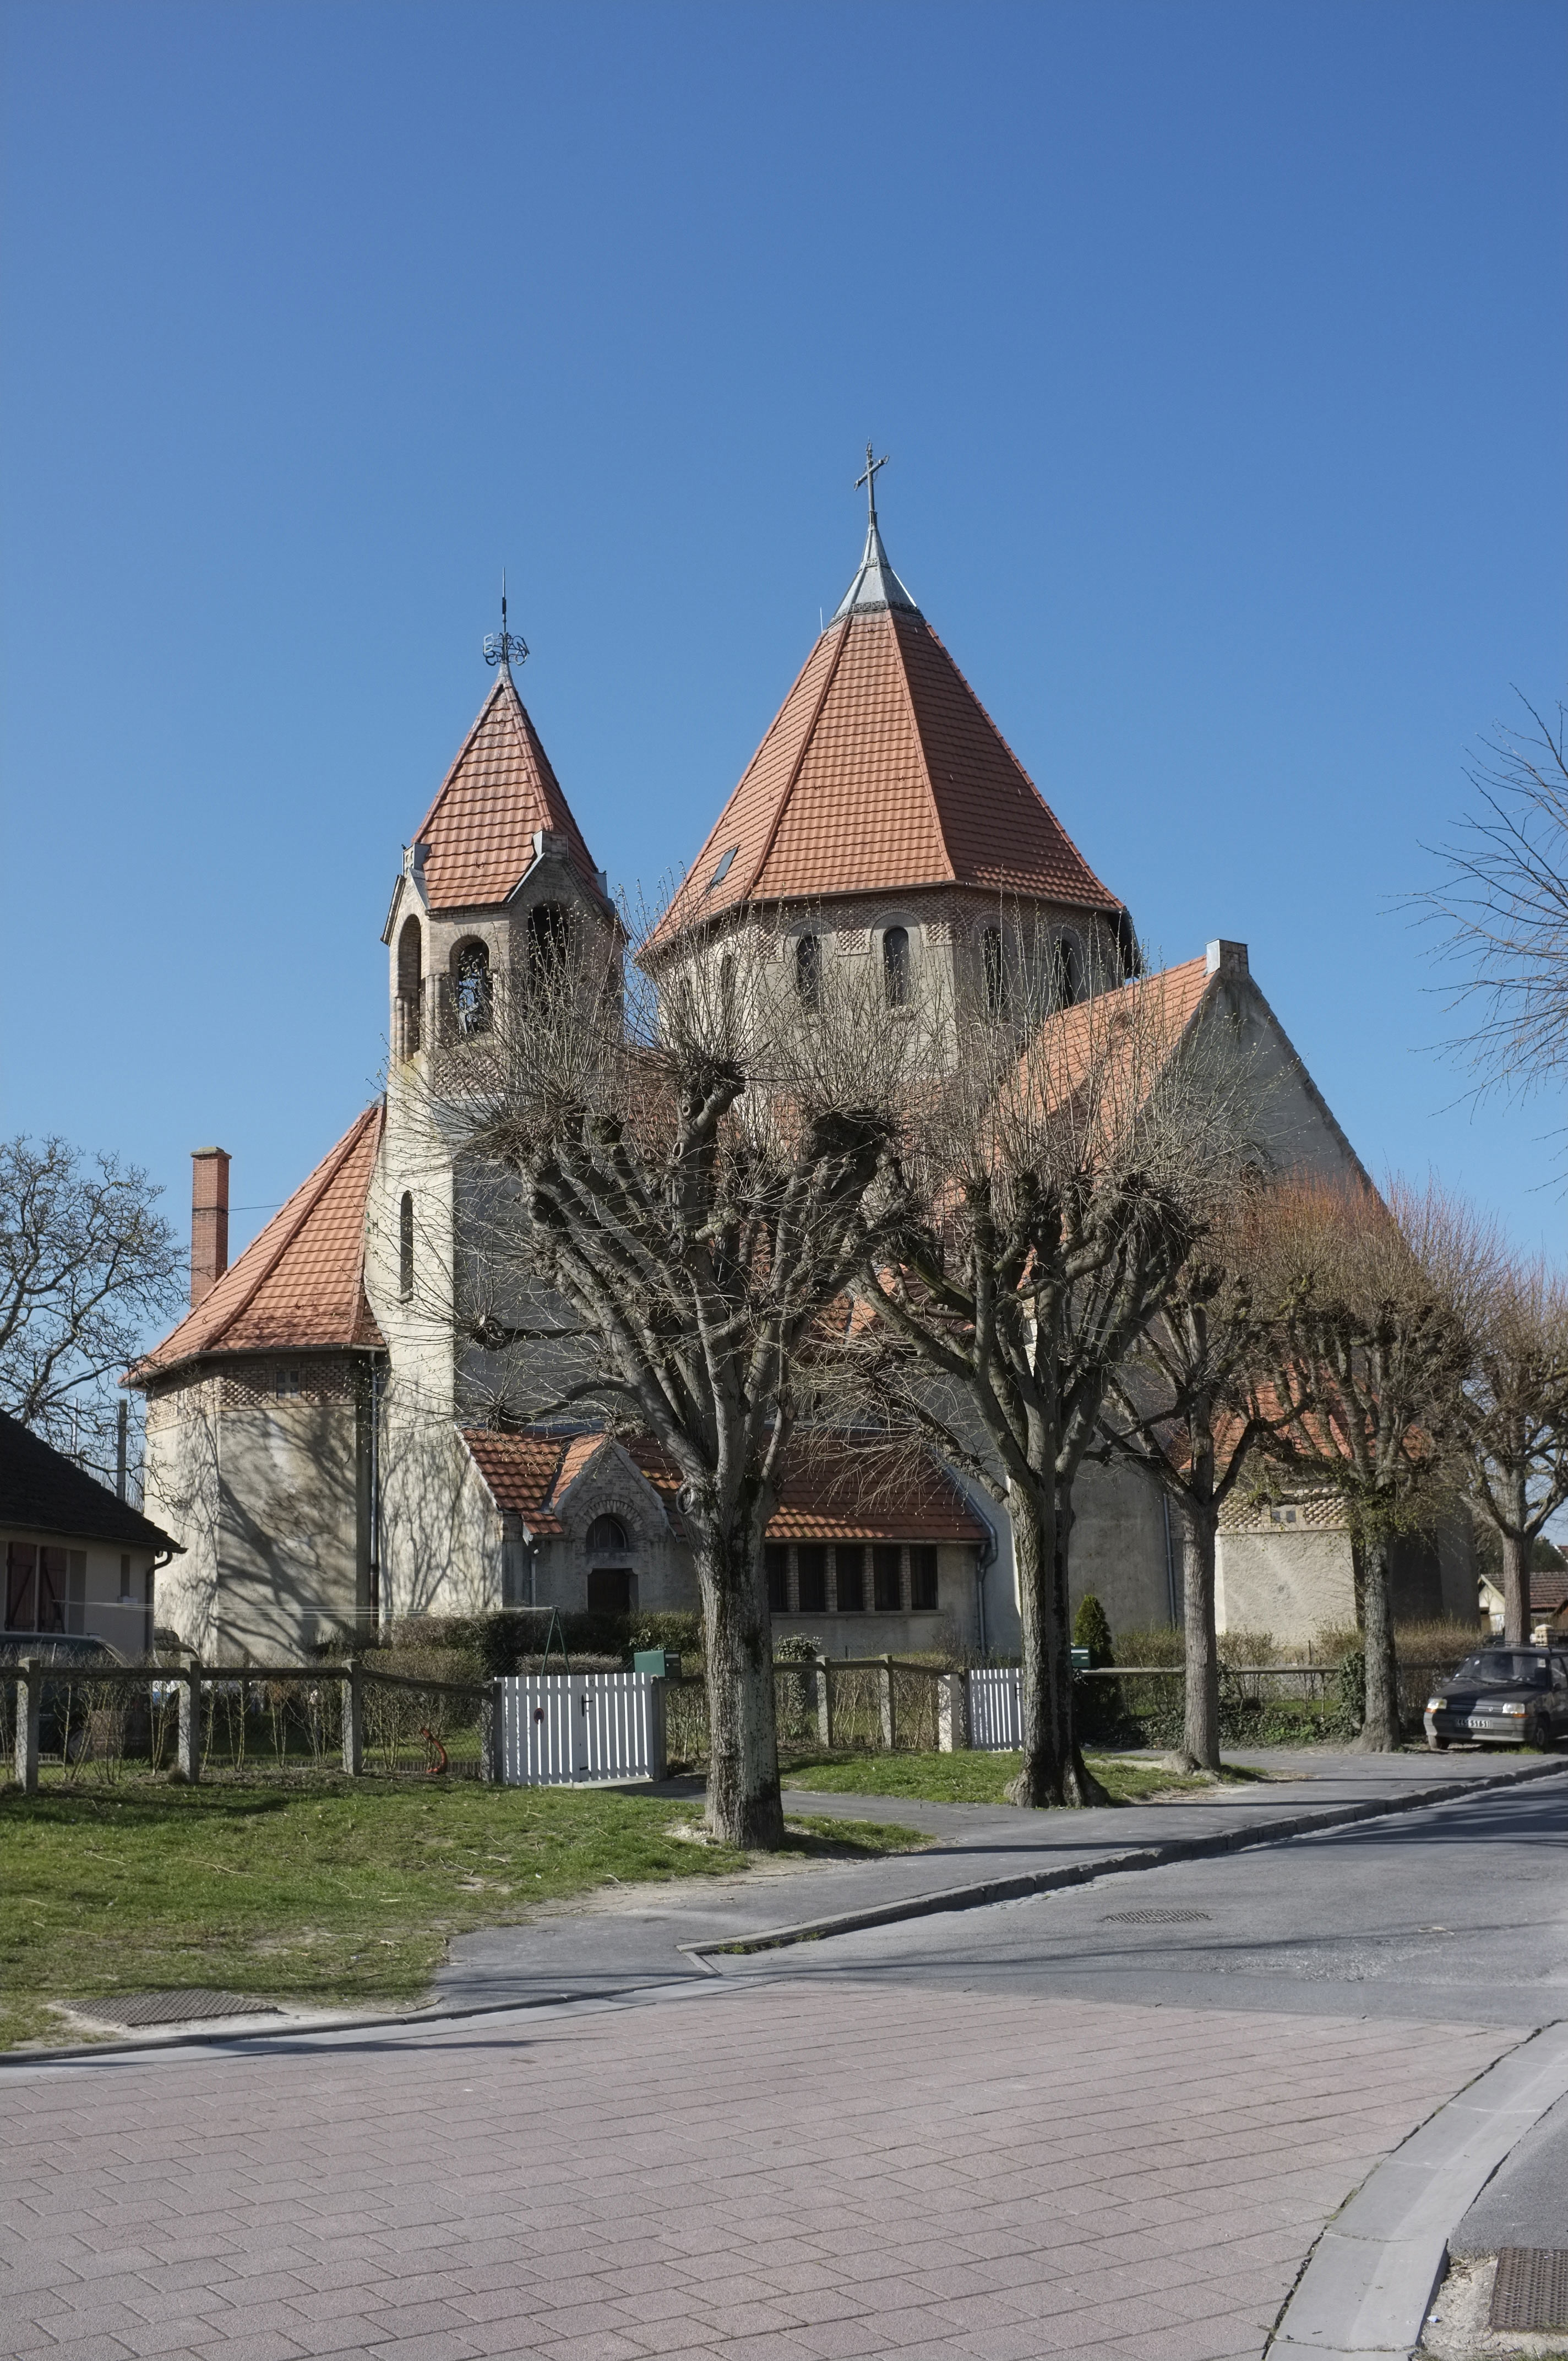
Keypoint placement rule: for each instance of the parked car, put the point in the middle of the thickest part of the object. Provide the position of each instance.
(1504, 1696)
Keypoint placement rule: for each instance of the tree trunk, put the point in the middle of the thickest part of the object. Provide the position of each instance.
(1380, 1732)
(744, 1806)
(1078, 1784)
(1201, 1717)
(1516, 1591)
(1043, 1648)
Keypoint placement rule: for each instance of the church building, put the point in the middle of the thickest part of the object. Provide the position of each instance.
(324, 1444)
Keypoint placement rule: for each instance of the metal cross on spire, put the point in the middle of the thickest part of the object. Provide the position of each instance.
(869, 479)
(501, 646)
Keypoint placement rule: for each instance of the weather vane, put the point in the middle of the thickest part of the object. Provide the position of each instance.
(502, 647)
(869, 479)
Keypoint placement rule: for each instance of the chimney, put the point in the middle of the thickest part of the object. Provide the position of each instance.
(1227, 959)
(209, 1220)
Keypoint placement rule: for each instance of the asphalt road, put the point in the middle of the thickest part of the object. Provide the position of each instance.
(1455, 1913)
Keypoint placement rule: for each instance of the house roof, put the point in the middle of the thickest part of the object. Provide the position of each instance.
(498, 793)
(1150, 1014)
(301, 1285)
(1548, 1592)
(862, 1495)
(882, 772)
(41, 1491)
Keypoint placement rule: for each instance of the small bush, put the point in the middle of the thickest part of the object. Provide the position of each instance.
(1091, 1630)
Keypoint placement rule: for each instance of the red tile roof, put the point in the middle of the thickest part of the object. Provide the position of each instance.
(301, 1285)
(882, 772)
(860, 1495)
(480, 828)
(1149, 1016)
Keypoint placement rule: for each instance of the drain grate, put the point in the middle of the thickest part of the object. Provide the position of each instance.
(1151, 1917)
(1531, 2290)
(174, 2008)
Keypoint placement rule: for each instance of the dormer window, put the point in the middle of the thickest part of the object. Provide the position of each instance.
(471, 989)
(895, 966)
(808, 970)
(722, 870)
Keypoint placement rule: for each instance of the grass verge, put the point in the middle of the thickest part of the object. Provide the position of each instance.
(967, 1778)
(329, 1892)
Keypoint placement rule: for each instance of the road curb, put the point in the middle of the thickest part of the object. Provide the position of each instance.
(953, 1897)
(1369, 2280)
(1047, 1881)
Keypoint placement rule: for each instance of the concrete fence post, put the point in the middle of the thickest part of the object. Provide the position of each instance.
(353, 1716)
(29, 1698)
(952, 1712)
(885, 1687)
(189, 1745)
(493, 1761)
(823, 1682)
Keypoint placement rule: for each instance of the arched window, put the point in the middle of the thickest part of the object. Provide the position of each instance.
(471, 988)
(406, 1246)
(1065, 981)
(411, 978)
(726, 991)
(808, 970)
(994, 972)
(895, 966)
(547, 930)
(606, 1537)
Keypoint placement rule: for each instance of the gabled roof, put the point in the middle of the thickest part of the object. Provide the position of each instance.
(41, 1491)
(498, 793)
(882, 772)
(862, 1494)
(1151, 1015)
(300, 1285)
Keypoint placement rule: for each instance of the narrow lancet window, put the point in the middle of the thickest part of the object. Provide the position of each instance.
(808, 970)
(895, 966)
(471, 989)
(406, 1246)
(547, 928)
(410, 983)
(994, 972)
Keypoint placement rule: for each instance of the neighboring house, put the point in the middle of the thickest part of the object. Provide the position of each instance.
(1287, 1566)
(334, 1454)
(79, 1562)
(1548, 1603)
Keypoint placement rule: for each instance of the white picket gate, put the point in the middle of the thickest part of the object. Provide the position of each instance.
(560, 1729)
(995, 1714)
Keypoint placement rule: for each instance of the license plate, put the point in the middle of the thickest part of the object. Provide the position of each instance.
(1485, 1721)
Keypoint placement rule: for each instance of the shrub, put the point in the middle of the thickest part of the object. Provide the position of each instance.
(1091, 1630)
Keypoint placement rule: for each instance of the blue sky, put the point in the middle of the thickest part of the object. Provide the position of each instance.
(1219, 349)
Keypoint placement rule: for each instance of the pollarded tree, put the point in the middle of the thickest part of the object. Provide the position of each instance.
(1371, 1310)
(691, 1144)
(1184, 1408)
(1515, 1432)
(1051, 1198)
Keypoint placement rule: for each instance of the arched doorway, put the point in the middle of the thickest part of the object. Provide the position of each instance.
(613, 1583)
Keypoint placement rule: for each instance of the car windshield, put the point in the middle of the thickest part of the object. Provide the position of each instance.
(1504, 1668)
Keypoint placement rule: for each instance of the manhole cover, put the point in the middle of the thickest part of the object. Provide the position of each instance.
(1531, 2290)
(174, 2008)
(1151, 1917)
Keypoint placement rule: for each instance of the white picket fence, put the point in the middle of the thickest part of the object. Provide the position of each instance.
(560, 1729)
(996, 1715)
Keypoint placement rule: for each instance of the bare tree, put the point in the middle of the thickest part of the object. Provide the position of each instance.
(1503, 906)
(1371, 1312)
(1516, 1429)
(1053, 1193)
(696, 1164)
(1183, 1407)
(86, 1265)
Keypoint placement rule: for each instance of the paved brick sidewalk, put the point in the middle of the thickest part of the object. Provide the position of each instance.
(790, 2173)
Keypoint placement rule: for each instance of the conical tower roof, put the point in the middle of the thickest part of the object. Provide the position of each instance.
(498, 793)
(882, 772)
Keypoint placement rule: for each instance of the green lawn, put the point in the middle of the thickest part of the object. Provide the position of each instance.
(967, 1778)
(329, 1892)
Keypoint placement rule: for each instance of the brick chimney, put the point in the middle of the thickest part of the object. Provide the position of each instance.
(209, 1220)
(1227, 959)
